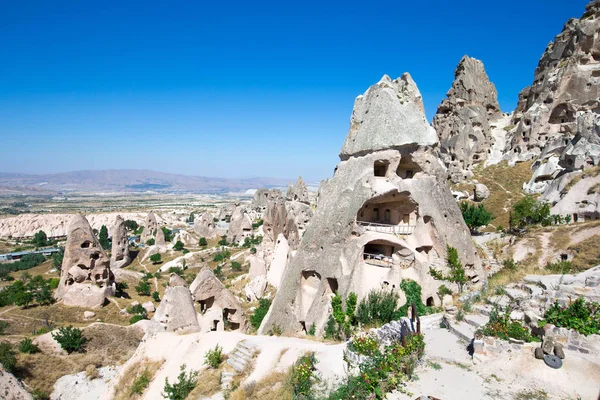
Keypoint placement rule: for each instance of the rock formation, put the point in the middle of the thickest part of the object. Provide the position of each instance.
(565, 89)
(175, 312)
(219, 307)
(298, 192)
(279, 261)
(261, 198)
(160, 238)
(386, 215)
(86, 279)
(119, 257)
(275, 217)
(463, 119)
(176, 280)
(204, 226)
(240, 225)
(151, 228)
(11, 388)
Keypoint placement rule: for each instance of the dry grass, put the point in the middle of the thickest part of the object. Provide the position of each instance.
(107, 345)
(587, 254)
(505, 184)
(209, 383)
(134, 371)
(273, 387)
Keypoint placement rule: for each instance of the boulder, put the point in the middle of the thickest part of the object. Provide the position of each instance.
(539, 353)
(119, 257)
(88, 314)
(86, 279)
(558, 351)
(481, 192)
(385, 215)
(548, 344)
(175, 312)
(149, 306)
(11, 388)
(212, 295)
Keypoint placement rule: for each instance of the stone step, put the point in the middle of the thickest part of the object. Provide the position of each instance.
(246, 346)
(476, 320)
(482, 309)
(244, 351)
(226, 374)
(462, 330)
(515, 293)
(237, 366)
(238, 359)
(501, 301)
(226, 379)
(533, 290)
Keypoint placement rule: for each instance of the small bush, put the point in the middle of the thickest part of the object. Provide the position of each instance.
(560, 267)
(3, 327)
(143, 288)
(236, 266)
(27, 346)
(364, 344)
(136, 318)
(150, 242)
(302, 377)
(202, 242)
(213, 357)
(156, 296)
(155, 258)
(581, 315)
(140, 384)
(178, 246)
(186, 382)
(136, 309)
(8, 358)
(510, 264)
(260, 313)
(312, 330)
(70, 339)
(443, 291)
(500, 325)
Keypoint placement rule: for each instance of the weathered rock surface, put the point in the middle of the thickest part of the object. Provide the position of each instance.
(240, 225)
(463, 119)
(86, 279)
(175, 312)
(204, 226)
(119, 257)
(548, 120)
(481, 192)
(160, 241)
(279, 261)
(218, 305)
(11, 388)
(176, 280)
(151, 228)
(255, 290)
(261, 198)
(386, 215)
(257, 267)
(298, 192)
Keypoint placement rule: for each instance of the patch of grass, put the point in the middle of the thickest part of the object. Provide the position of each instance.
(531, 394)
(133, 381)
(208, 384)
(272, 387)
(587, 254)
(436, 366)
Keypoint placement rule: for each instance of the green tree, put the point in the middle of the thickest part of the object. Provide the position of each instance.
(183, 387)
(103, 237)
(155, 258)
(131, 225)
(40, 239)
(143, 288)
(260, 313)
(178, 246)
(7, 356)
(457, 272)
(528, 211)
(150, 242)
(70, 339)
(203, 242)
(475, 216)
(57, 258)
(168, 234)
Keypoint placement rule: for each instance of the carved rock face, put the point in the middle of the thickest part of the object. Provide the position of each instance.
(120, 245)
(86, 278)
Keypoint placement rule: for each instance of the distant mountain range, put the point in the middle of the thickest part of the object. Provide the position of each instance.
(127, 180)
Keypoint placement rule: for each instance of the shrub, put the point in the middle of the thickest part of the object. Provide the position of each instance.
(176, 270)
(131, 225)
(70, 339)
(500, 325)
(213, 357)
(186, 382)
(378, 308)
(136, 309)
(103, 237)
(136, 318)
(27, 346)
(253, 250)
(221, 256)
(156, 297)
(581, 315)
(260, 313)
(257, 224)
(155, 258)
(8, 358)
(302, 377)
(140, 384)
(412, 291)
(330, 328)
(457, 272)
(143, 288)
(236, 266)
(364, 344)
(218, 272)
(223, 241)
(150, 242)
(40, 239)
(178, 246)
(560, 267)
(312, 330)
(203, 242)
(528, 211)
(3, 327)
(57, 258)
(443, 291)
(475, 216)
(167, 233)
(510, 264)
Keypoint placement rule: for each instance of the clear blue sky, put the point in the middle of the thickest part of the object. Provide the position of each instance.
(236, 88)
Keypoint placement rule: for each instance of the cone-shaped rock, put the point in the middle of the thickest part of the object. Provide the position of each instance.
(86, 279)
(150, 228)
(385, 216)
(204, 226)
(175, 312)
(298, 192)
(119, 257)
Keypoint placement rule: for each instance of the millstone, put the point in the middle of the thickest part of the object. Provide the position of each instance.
(552, 361)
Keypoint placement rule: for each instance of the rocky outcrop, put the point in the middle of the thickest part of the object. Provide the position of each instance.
(11, 388)
(279, 261)
(160, 241)
(275, 217)
(151, 228)
(240, 225)
(119, 257)
(481, 192)
(219, 307)
(298, 192)
(175, 312)
(547, 124)
(463, 119)
(204, 226)
(385, 216)
(86, 279)
(261, 198)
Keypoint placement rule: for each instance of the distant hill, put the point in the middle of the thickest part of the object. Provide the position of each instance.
(129, 180)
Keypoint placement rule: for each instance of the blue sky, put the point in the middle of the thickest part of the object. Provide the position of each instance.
(236, 89)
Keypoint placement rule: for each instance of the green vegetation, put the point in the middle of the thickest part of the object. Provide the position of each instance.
(138, 313)
(528, 211)
(3, 327)
(251, 241)
(560, 267)
(167, 233)
(203, 242)
(303, 377)
(150, 242)
(156, 296)
(214, 357)
(221, 256)
(28, 261)
(8, 357)
(383, 372)
(140, 384)
(179, 390)
(143, 288)
(457, 272)
(24, 292)
(26, 346)
(70, 339)
(103, 237)
(500, 325)
(475, 216)
(57, 259)
(179, 246)
(378, 308)
(581, 315)
(236, 266)
(258, 223)
(260, 313)
(364, 344)
(40, 239)
(131, 225)
(223, 241)
(155, 258)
